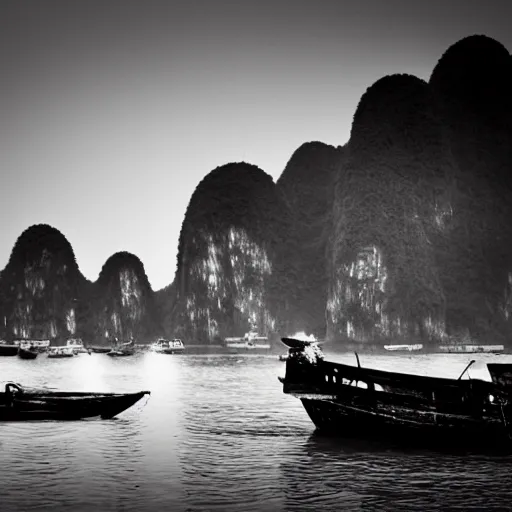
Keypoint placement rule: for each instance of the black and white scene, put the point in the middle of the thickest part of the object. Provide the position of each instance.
(255, 255)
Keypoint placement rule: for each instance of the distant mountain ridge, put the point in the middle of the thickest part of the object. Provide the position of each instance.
(403, 233)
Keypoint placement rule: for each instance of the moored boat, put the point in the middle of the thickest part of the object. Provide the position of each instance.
(353, 401)
(77, 345)
(460, 348)
(37, 345)
(122, 350)
(251, 341)
(27, 353)
(163, 346)
(100, 350)
(60, 352)
(415, 347)
(8, 349)
(19, 403)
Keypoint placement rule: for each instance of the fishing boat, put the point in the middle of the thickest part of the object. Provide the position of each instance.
(163, 346)
(27, 353)
(60, 352)
(8, 349)
(20, 403)
(354, 401)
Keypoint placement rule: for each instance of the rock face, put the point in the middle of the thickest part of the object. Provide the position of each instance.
(404, 233)
(124, 305)
(306, 187)
(226, 258)
(41, 287)
(384, 281)
(44, 295)
(471, 87)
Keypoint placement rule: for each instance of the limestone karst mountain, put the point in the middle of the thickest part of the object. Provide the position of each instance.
(123, 301)
(384, 281)
(403, 233)
(471, 87)
(306, 187)
(227, 255)
(41, 286)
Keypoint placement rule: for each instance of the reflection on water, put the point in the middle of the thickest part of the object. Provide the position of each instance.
(218, 434)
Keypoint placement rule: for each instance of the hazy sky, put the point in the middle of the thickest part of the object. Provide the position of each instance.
(111, 112)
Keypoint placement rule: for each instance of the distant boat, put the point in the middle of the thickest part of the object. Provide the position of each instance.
(163, 346)
(8, 349)
(122, 350)
(77, 345)
(404, 348)
(59, 352)
(457, 348)
(251, 341)
(18, 403)
(27, 353)
(100, 350)
(38, 345)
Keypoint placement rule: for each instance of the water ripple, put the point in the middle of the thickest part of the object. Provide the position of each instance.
(218, 434)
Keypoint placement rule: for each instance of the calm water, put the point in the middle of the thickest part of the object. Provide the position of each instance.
(218, 434)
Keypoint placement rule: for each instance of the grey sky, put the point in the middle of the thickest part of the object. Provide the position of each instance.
(111, 112)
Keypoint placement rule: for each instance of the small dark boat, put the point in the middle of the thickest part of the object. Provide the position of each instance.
(27, 353)
(19, 403)
(352, 401)
(8, 349)
(100, 350)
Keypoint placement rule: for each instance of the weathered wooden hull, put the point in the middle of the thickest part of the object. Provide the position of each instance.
(64, 406)
(350, 401)
(422, 428)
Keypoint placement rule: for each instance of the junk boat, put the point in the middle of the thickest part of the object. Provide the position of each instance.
(353, 401)
(27, 352)
(20, 403)
(163, 346)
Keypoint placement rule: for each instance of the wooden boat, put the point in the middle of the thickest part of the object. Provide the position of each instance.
(8, 349)
(163, 346)
(19, 403)
(352, 401)
(27, 353)
(60, 352)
